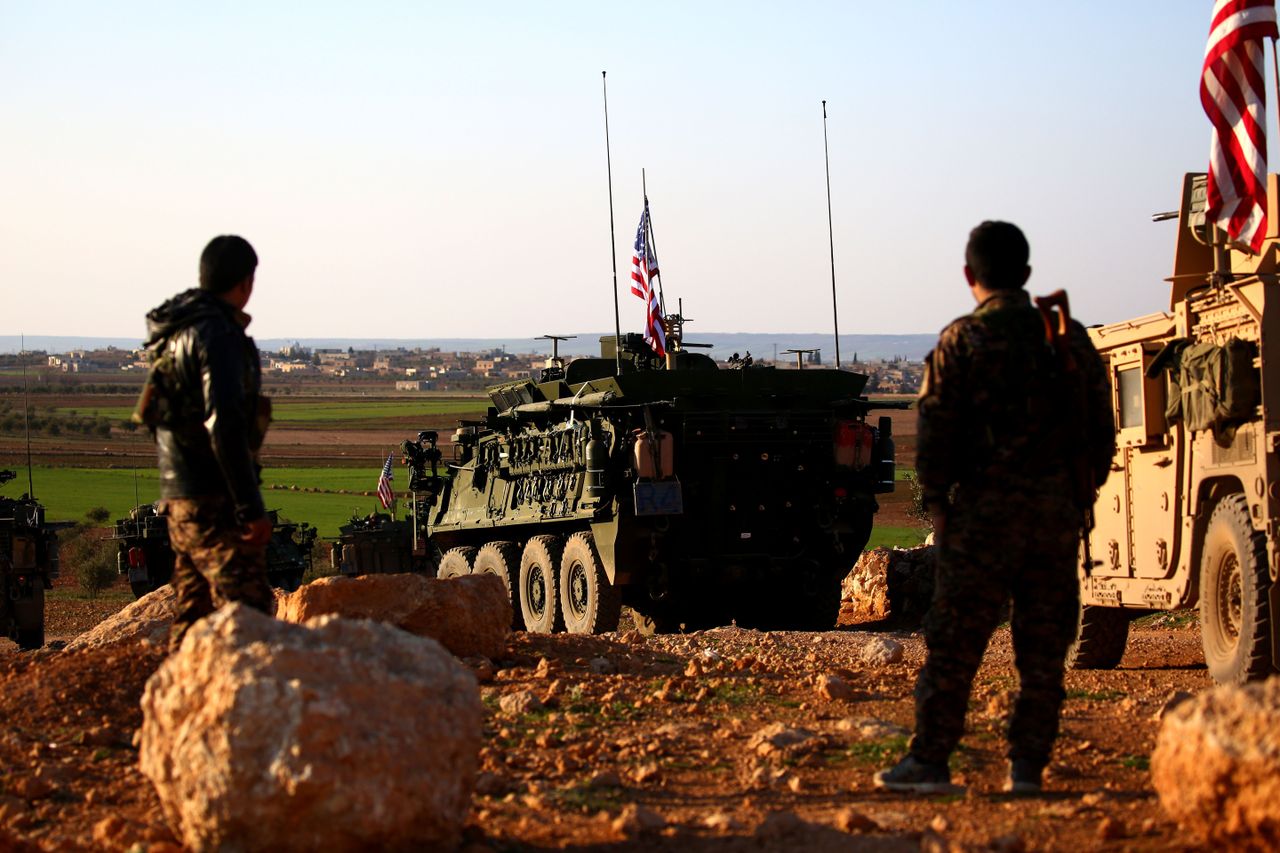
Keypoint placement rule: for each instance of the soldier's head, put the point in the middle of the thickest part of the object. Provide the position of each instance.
(227, 265)
(996, 257)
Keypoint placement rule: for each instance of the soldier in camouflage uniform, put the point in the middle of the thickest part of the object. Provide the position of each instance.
(1002, 444)
(203, 400)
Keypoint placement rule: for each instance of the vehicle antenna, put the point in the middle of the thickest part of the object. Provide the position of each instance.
(644, 188)
(137, 502)
(613, 243)
(26, 424)
(835, 315)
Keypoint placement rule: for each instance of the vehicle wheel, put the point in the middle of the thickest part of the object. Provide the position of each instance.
(590, 604)
(141, 588)
(501, 559)
(28, 617)
(540, 585)
(1235, 620)
(1101, 635)
(456, 562)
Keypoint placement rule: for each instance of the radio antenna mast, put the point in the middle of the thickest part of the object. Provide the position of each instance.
(835, 314)
(613, 243)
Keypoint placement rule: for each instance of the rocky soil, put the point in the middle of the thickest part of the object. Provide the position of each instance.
(721, 740)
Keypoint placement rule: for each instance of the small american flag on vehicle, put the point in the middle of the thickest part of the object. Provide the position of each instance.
(1234, 96)
(644, 269)
(385, 494)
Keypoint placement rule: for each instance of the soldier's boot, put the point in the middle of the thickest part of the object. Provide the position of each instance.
(1024, 777)
(913, 776)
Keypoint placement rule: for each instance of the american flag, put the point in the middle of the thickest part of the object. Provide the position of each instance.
(644, 269)
(1235, 97)
(384, 484)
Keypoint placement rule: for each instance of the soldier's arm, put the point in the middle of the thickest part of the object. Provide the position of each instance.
(1099, 415)
(227, 419)
(941, 421)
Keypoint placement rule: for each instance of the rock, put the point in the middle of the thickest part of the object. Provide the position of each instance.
(470, 616)
(647, 772)
(482, 667)
(778, 825)
(893, 584)
(519, 702)
(872, 729)
(721, 822)
(638, 820)
(1111, 829)
(1216, 766)
(604, 779)
(338, 735)
(779, 737)
(852, 820)
(834, 688)
(601, 666)
(1174, 699)
(115, 833)
(881, 651)
(31, 787)
(148, 618)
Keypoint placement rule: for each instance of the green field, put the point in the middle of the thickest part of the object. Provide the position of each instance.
(896, 537)
(68, 493)
(311, 411)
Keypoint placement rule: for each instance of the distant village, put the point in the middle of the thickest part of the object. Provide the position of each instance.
(429, 368)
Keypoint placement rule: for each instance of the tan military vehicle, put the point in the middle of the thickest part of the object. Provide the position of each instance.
(1191, 512)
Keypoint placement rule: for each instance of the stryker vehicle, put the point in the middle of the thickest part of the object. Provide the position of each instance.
(28, 566)
(1191, 512)
(692, 494)
(145, 556)
(377, 543)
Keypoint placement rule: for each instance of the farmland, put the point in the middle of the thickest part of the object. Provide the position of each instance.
(320, 461)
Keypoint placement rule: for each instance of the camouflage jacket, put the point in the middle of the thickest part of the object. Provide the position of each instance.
(208, 443)
(997, 412)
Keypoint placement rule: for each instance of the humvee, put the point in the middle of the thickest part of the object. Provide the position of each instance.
(1191, 512)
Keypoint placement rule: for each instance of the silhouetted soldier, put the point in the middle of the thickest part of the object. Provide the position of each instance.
(204, 402)
(1001, 443)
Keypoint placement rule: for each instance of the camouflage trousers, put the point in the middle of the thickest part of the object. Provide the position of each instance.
(212, 565)
(993, 553)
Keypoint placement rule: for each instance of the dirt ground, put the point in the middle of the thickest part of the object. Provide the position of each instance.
(634, 743)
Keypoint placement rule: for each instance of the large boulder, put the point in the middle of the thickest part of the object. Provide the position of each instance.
(148, 618)
(1216, 766)
(889, 584)
(469, 615)
(335, 735)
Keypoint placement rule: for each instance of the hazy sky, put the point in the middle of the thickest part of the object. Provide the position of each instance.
(430, 169)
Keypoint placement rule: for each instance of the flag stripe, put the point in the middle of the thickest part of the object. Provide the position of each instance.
(1233, 94)
(385, 494)
(644, 269)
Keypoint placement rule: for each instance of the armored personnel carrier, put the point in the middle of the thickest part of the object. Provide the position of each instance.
(377, 543)
(145, 557)
(28, 566)
(1190, 516)
(693, 494)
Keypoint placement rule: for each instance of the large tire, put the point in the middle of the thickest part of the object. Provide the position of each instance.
(456, 562)
(28, 617)
(540, 585)
(1235, 618)
(502, 559)
(1101, 635)
(590, 604)
(141, 588)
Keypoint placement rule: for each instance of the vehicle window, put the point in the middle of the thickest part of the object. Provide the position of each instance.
(1130, 382)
